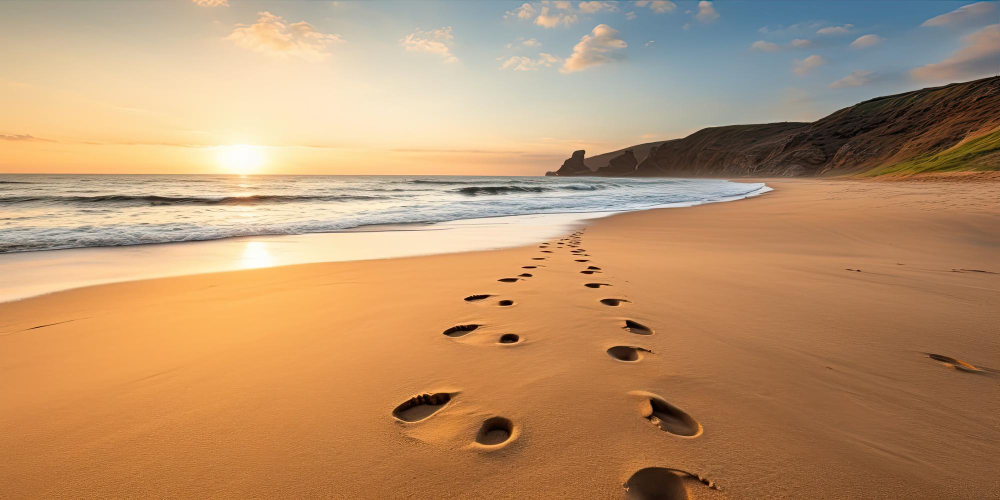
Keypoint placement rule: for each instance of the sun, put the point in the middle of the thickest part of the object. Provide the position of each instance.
(241, 159)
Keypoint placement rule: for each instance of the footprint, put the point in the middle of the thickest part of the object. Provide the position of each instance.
(460, 330)
(528, 267)
(525, 275)
(546, 251)
(589, 272)
(613, 302)
(627, 353)
(662, 484)
(595, 285)
(507, 280)
(582, 260)
(473, 298)
(538, 258)
(637, 328)
(506, 303)
(594, 268)
(420, 407)
(670, 418)
(954, 363)
(495, 432)
(509, 338)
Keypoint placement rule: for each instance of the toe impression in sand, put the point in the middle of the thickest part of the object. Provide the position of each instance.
(422, 406)
(637, 328)
(666, 416)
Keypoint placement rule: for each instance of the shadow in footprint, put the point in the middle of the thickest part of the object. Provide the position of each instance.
(595, 285)
(613, 302)
(473, 298)
(661, 483)
(528, 267)
(538, 258)
(507, 280)
(627, 352)
(589, 272)
(460, 330)
(593, 268)
(495, 431)
(525, 275)
(420, 407)
(506, 303)
(582, 260)
(509, 338)
(546, 251)
(637, 328)
(670, 418)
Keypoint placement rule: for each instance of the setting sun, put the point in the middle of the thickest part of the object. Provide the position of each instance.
(240, 158)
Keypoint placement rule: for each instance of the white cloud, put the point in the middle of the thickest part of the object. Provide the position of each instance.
(762, 46)
(550, 19)
(524, 12)
(706, 12)
(600, 47)
(597, 6)
(629, 16)
(864, 41)
(799, 43)
(650, 43)
(835, 30)
(807, 65)
(979, 57)
(437, 41)
(212, 3)
(531, 42)
(273, 36)
(966, 14)
(524, 63)
(855, 79)
(657, 6)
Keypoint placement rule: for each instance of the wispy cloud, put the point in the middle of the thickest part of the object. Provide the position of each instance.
(437, 41)
(602, 46)
(805, 66)
(855, 79)
(550, 18)
(657, 6)
(524, 63)
(212, 3)
(974, 13)
(865, 41)
(764, 46)
(979, 57)
(835, 30)
(273, 36)
(521, 42)
(23, 138)
(595, 6)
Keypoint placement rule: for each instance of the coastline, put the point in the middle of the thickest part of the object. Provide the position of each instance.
(794, 328)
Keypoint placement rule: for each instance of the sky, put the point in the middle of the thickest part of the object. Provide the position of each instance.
(452, 87)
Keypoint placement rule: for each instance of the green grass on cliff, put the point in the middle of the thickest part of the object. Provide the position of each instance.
(982, 153)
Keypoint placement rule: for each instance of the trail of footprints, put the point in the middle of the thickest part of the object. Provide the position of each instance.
(498, 431)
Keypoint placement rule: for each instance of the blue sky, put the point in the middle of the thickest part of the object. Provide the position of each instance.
(404, 87)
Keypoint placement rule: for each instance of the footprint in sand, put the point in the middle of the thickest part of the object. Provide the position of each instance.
(528, 267)
(538, 258)
(582, 260)
(460, 330)
(627, 352)
(954, 363)
(474, 298)
(637, 328)
(613, 302)
(593, 268)
(589, 272)
(668, 417)
(509, 338)
(420, 407)
(505, 303)
(661, 483)
(507, 280)
(496, 432)
(546, 251)
(525, 275)
(595, 285)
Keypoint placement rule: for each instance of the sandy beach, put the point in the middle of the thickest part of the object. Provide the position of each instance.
(774, 347)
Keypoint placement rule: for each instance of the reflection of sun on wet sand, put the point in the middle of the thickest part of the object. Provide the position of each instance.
(725, 352)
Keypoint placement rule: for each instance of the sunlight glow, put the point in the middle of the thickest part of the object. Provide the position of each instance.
(240, 158)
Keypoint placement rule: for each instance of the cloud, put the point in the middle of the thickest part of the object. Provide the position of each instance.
(273, 36)
(600, 47)
(706, 12)
(437, 41)
(630, 16)
(979, 57)
(523, 63)
(521, 42)
(967, 14)
(855, 79)
(650, 43)
(865, 41)
(595, 6)
(762, 46)
(807, 65)
(212, 3)
(531, 42)
(657, 6)
(799, 43)
(835, 30)
(23, 138)
(524, 12)
(550, 19)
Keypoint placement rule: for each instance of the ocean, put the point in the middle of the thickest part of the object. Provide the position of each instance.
(48, 212)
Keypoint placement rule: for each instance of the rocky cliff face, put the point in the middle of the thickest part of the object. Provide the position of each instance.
(958, 122)
(574, 165)
(619, 166)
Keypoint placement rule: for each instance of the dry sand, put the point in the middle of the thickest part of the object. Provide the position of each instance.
(784, 354)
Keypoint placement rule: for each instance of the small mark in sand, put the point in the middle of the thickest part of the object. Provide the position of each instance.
(595, 285)
(420, 407)
(507, 280)
(506, 303)
(525, 275)
(495, 432)
(473, 298)
(954, 363)
(637, 328)
(538, 258)
(589, 272)
(582, 260)
(594, 268)
(546, 251)
(509, 338)
(460, 330)
(613, 302)
(855, 270)
(528, 267)
(972, 271)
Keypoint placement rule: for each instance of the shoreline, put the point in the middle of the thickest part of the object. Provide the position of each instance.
(793, 329)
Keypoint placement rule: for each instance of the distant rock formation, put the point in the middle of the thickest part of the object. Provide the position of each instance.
(953, 127)
(574, 165)
(619, 166)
